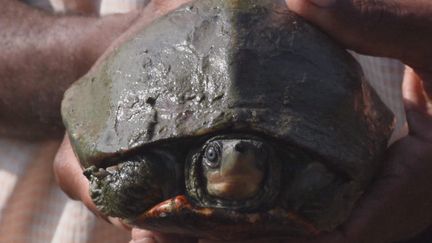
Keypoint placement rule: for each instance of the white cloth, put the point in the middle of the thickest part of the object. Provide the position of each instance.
(104, 7)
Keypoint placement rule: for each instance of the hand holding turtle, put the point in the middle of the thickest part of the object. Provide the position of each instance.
(396, 29)
(399, 203)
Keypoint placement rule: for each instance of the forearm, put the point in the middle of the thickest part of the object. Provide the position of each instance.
(40, 56)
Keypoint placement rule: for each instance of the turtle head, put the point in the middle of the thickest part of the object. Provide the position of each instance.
(234, 169)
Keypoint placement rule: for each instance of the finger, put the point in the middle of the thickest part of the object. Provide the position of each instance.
(398, 29)
(69, 175)
(145, 236)
(70, 178)
(420, 125)
(426, 77)
(68, 172)
(413, 92)
(418, 106)
(398, 205)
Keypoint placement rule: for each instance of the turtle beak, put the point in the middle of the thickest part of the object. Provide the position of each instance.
(240, 159)
(240, 174)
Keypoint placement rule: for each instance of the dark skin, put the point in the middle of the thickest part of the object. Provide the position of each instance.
(40, 51)
(398, 204)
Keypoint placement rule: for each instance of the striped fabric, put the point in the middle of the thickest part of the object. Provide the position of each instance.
(385, 75)
(33, 209)
(103, 6)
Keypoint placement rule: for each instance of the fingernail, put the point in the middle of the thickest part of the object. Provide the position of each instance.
(323, 3)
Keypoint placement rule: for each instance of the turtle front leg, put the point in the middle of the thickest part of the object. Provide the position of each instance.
(130, 188)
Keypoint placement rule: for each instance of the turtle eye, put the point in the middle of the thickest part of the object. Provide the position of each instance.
(212, 155)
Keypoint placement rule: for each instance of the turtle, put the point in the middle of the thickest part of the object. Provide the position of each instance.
(228, 119)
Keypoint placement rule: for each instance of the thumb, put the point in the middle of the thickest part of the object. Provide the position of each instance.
(414, 93)
(417, 104)
(390, 28)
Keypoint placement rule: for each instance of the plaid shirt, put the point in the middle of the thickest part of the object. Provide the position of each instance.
(34, 209)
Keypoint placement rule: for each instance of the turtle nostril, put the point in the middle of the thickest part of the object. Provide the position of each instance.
(240, 147)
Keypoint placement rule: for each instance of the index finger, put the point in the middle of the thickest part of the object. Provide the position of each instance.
(397, 29)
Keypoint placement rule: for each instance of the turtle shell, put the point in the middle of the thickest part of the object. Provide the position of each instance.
(216, 67)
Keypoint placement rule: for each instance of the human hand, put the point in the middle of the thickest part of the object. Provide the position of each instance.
(397, 29)
(42, 54)
(398, 205)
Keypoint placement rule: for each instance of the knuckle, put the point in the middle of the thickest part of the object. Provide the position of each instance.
(377, 11)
